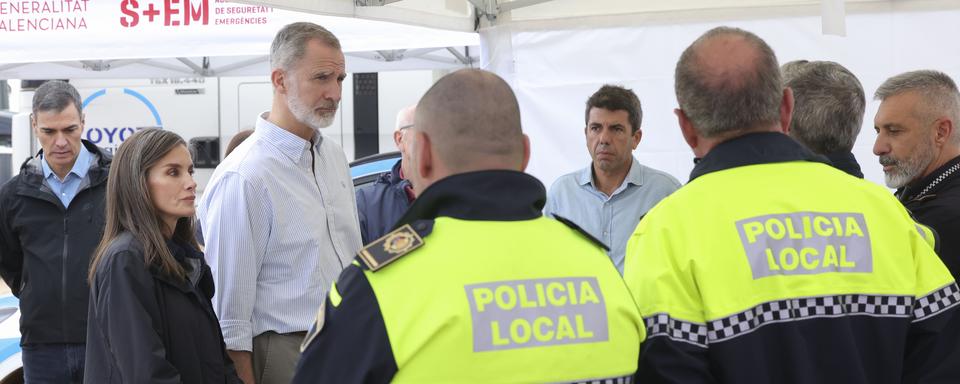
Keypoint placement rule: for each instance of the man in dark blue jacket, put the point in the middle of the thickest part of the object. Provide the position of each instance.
(380, 205)
(51, 220)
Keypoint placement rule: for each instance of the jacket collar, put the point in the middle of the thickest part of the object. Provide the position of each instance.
(393, 177)
(929, 185)
(845, 161)
(753, 149)
(192, 262)
(32, 175)
(484, 195)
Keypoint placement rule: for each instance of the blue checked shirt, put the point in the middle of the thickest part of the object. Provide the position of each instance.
(67, 189)
(611, 219)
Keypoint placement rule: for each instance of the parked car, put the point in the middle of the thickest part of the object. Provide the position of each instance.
(11, 365)
(368, 169)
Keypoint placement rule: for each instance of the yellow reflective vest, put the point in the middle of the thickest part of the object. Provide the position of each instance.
(784, 270)
(499, 294)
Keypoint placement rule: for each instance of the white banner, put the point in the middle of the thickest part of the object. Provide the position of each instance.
(65, 30)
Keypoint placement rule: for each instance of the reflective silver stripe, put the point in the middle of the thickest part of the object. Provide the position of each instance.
(536, 312)
(805, 243)
(661, 324)
(612, 380)
(936, 302)
(808, 308)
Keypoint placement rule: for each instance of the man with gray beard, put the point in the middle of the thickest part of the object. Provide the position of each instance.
(279, 215)
(918, 142)
(919, 147)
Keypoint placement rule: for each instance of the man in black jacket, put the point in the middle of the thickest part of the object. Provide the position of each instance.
(918, 142)
(51, 220)
(380, 205)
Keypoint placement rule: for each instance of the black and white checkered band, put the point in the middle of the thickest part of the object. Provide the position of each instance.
(662, 324)
(612, 380)
(719, 330)
(936, 302)
(807, 308)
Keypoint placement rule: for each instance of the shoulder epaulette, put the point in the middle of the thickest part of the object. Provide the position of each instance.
(395, 244)
(577, 228)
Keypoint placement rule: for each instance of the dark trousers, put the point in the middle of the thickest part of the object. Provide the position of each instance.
(53, 363)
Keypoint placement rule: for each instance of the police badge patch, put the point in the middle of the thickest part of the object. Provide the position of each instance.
(388, 248)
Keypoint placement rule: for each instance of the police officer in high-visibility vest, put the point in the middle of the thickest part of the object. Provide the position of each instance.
(770, 266)
(475, 285)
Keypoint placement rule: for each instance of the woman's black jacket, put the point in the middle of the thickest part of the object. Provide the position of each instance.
(148, 327)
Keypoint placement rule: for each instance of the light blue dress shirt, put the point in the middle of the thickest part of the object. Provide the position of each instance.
(611, 219)
(67, 189)
(279, 221)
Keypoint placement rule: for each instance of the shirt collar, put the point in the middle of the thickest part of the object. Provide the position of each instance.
(80, 166)
(845, 161)
(634, 176)
(291, 145)
(753, 149)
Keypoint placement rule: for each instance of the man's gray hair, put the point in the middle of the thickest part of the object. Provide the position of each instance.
(938, 91)
(55, 96)
(291, 42)
(829, 105)
(735, 102)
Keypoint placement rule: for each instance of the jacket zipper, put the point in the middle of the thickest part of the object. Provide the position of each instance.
(63, 274)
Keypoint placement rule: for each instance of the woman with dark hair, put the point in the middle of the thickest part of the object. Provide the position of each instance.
(150, 317)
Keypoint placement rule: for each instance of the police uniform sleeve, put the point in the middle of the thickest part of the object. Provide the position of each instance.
(349, 343)
(934, 334)
(663, 285)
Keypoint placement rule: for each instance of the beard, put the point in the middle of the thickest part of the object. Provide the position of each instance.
(909, 169)
(307, 115)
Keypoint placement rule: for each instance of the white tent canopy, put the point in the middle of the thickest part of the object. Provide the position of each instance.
(114, 38)
(555, 53)
(470, 15)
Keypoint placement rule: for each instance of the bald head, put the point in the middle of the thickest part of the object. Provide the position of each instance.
(472, 120)
(728, 82)
(405, 118)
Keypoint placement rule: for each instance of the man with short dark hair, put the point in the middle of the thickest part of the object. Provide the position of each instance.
(51, 220)
(279, 216)
(770, 266)
(828, 110)
(608, 198)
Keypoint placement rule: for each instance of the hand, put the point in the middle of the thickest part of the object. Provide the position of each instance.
(243, 361)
